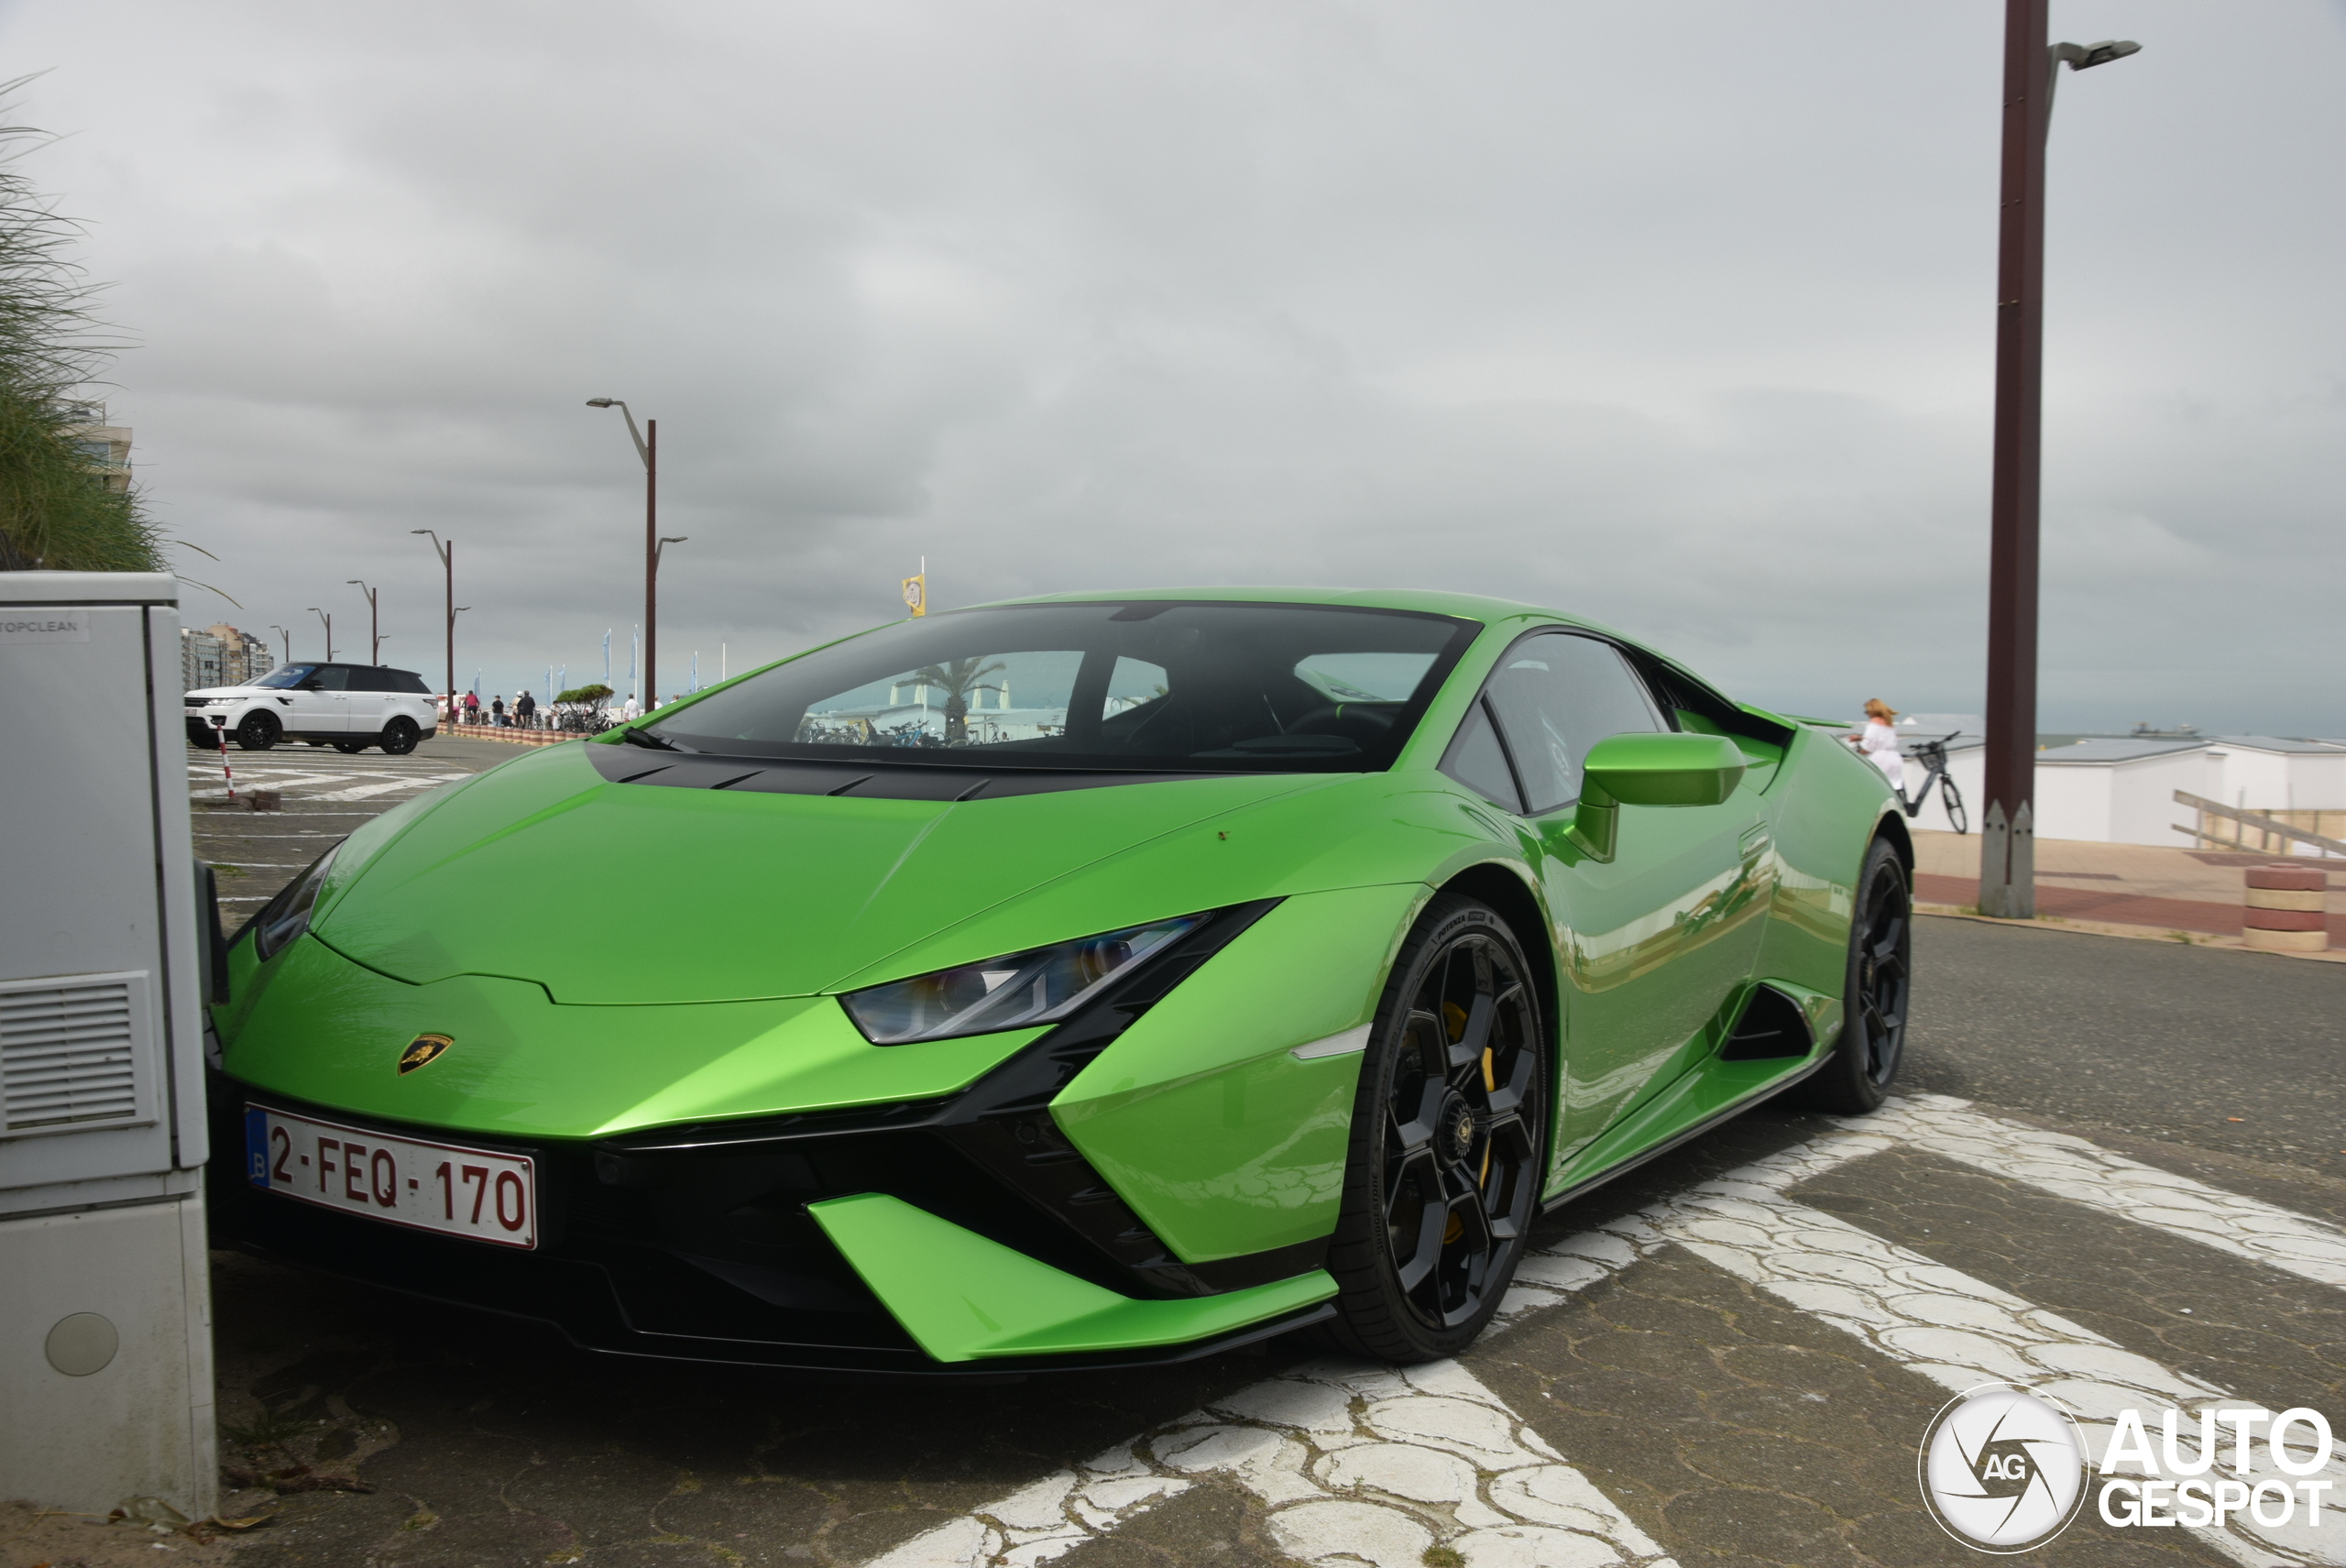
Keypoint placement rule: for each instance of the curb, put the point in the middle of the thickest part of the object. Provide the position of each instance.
(2109, 929)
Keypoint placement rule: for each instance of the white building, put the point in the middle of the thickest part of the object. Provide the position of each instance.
(2122, 791)
(222, 656)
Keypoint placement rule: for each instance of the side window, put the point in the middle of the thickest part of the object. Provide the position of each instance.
(1557, 695)
(363, 679)
(331, 678)
(407, 681)
(1477, 760)
(1135, 681)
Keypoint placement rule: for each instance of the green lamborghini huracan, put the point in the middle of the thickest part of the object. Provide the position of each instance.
(1078, 982)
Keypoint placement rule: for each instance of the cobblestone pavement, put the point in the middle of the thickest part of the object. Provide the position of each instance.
(1727, 1358)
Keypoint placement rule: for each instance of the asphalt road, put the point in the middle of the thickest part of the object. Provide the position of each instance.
(1679, 1375)
(323, 795)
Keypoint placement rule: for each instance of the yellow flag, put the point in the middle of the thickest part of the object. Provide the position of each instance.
(916, 594)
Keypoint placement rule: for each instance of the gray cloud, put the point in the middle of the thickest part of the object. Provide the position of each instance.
(1676, 314)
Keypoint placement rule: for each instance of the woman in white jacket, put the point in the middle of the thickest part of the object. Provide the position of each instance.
(1880, 742)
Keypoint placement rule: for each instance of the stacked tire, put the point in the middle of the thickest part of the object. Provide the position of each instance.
(2287, 909)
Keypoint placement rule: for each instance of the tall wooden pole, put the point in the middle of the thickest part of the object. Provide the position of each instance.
(2007, 847)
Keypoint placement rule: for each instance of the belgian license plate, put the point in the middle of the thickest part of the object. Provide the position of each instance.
(428, 1186)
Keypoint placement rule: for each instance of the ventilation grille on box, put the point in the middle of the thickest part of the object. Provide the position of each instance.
(69, 1056)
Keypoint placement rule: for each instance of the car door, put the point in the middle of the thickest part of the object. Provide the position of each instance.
(321, 704)
(368, 701)
(1654, 939)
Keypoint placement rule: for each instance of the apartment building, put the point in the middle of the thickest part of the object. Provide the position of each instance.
(222, 656)
(107, 446)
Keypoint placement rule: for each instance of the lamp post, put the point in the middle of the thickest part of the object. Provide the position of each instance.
(289, 640)
(322, 615)
(374, 622)
(647, 446)
(2008, 825)
(447, 554)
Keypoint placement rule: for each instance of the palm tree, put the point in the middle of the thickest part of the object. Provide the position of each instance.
(958, 679)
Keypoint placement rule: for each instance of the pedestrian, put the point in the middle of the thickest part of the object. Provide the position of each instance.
(472, 708)
(497, 711)
(526, 707)
(628, 710)
(1879, 741)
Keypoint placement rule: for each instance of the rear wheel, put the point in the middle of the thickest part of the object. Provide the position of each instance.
(1449, 1132)
(400, 737)
(259, 731)
(1856, 1077)
(1953, 797)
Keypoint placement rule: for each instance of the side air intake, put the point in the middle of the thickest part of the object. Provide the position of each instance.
(1770, 1024)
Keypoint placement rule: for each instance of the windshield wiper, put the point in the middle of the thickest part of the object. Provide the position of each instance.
(645, 737)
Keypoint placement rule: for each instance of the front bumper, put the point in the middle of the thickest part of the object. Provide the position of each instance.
(713, 1259)
(958, 1234)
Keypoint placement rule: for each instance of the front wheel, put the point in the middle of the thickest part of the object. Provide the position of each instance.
(400, 737)
(1449, 1132)
(259, 731)
(1855, 1079)
(1953, 798)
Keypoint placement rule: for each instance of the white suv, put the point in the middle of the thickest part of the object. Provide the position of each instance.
(347, 706)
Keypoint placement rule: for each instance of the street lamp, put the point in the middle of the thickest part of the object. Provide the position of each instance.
(289, 640)
(447, 554)
(647, 446)
(322, 615)
(374, 622)
(2008, 824)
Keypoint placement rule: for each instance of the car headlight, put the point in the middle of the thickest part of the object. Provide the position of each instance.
(286, 915)
(1016, 991)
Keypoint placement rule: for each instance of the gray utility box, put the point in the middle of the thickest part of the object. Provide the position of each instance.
(105, 1339)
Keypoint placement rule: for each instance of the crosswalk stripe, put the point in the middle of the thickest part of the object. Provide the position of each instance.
(366, 791)
(2071, 1167)
(1937, 1322)
(1433, 1457)
(274, 781)
(1430, 1456)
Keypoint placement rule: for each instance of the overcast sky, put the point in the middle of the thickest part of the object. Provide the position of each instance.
(1677, 313)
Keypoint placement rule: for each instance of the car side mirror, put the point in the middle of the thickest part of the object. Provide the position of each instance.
(1650, 770)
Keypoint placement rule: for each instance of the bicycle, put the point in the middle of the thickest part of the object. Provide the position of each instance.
(1932, 755)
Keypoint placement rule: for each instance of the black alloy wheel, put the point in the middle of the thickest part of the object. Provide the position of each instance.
(400, 737)
(259, 731)
(1447, 1139)
(1855, 1079)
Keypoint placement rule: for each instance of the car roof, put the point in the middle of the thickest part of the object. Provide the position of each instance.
(1466, 606)
(1469, 606)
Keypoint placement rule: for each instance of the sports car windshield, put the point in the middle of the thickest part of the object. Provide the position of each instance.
(1155, 687)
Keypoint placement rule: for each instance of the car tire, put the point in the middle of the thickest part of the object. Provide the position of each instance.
(400, 737)
(1449, 1141)
(259, 731)
(1856, 1077)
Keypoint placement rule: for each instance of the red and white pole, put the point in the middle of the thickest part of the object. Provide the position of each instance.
(229, 772)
